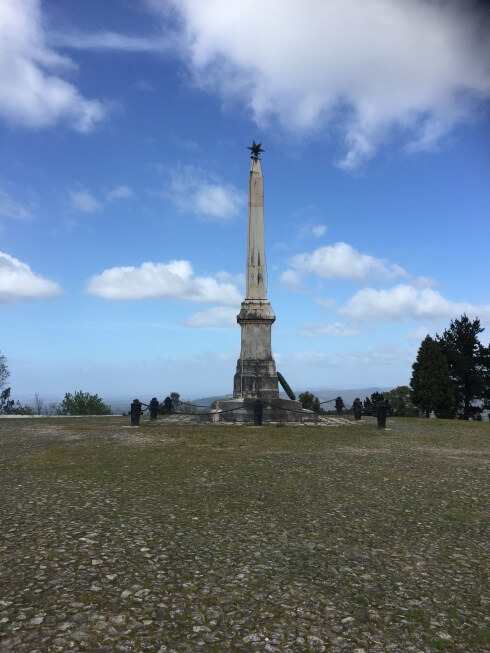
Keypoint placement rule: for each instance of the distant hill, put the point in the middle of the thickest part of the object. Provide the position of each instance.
(347, 395)
(323, 394)
(120, 405)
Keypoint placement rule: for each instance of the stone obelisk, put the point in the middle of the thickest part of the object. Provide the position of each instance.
(256, 374)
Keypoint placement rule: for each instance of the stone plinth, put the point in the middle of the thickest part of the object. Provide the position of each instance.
(275, 410)
(256, 374)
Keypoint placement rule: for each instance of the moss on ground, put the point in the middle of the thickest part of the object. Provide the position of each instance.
(174, 537)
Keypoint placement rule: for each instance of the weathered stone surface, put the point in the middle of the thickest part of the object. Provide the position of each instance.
(256, 268)
(302, 537)
(256, 374)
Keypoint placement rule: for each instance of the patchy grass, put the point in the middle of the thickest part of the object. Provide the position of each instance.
(173, 537)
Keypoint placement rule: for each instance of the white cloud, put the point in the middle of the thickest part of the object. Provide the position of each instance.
(319, 230)
(174, 280)
(111, 41)
(19, 283)
(404, 301)
(143, 85)
(32, 92)
(365, 69)
(341, 261)
(327, 303)
(314, 330)
(82, 200)
(309, 229)
(119, 193)
(226, 277)
(217, 317)
(190, 189)
(292, 281)
(10, 208)
(418, 334)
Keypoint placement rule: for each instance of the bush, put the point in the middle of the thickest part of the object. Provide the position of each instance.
(83, 403)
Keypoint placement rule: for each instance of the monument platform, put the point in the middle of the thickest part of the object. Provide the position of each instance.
(275, 410)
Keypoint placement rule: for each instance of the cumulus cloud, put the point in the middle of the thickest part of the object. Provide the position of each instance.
(33, 93)
(319, 230)
(418, 334)
(314, 330)
(119, 193)
(309, 229)
(226, 277)
(82, 200)
(292, 281)
(10, 208)
(192, 190)
(366, 69)
(19, 283)
(341, 261)
(404, 301)
(220, 317)
(327, 303)
(174, 280)
(110, 41)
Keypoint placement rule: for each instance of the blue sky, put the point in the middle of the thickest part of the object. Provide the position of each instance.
(123, 187)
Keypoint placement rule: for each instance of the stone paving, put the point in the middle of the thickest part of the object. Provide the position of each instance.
(174, 538)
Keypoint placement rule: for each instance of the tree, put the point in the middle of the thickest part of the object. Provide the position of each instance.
(38, 404)
(431, 386)
(469, 364)
(6, 403)
(83, 403)
(400, 402)
(4, 371)
(175, 397)
(310, 402)
(370, 404)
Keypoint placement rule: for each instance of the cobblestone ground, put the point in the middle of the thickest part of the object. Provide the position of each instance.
(176, 538)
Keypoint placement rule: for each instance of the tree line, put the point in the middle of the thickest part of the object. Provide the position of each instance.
(78, 403)
(450, 377)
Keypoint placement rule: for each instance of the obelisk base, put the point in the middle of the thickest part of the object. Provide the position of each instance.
(255, 378)
(276, 410)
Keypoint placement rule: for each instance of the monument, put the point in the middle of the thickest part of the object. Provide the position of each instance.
(256, 376)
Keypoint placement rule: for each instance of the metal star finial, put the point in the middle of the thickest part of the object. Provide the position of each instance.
(255, 149)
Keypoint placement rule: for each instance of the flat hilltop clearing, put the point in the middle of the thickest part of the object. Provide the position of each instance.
(181, 537)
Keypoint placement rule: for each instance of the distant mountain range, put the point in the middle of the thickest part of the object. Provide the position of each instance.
(348, 396)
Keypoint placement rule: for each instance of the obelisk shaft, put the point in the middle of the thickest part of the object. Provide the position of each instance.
(256, 374)
(256, 270)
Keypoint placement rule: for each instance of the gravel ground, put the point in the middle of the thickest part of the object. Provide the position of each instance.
(178, 537)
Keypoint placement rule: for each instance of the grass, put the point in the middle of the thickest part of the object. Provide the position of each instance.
(220, 537)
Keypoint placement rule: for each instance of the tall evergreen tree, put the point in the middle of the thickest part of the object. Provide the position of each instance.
(431, 383)
(469, 363)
